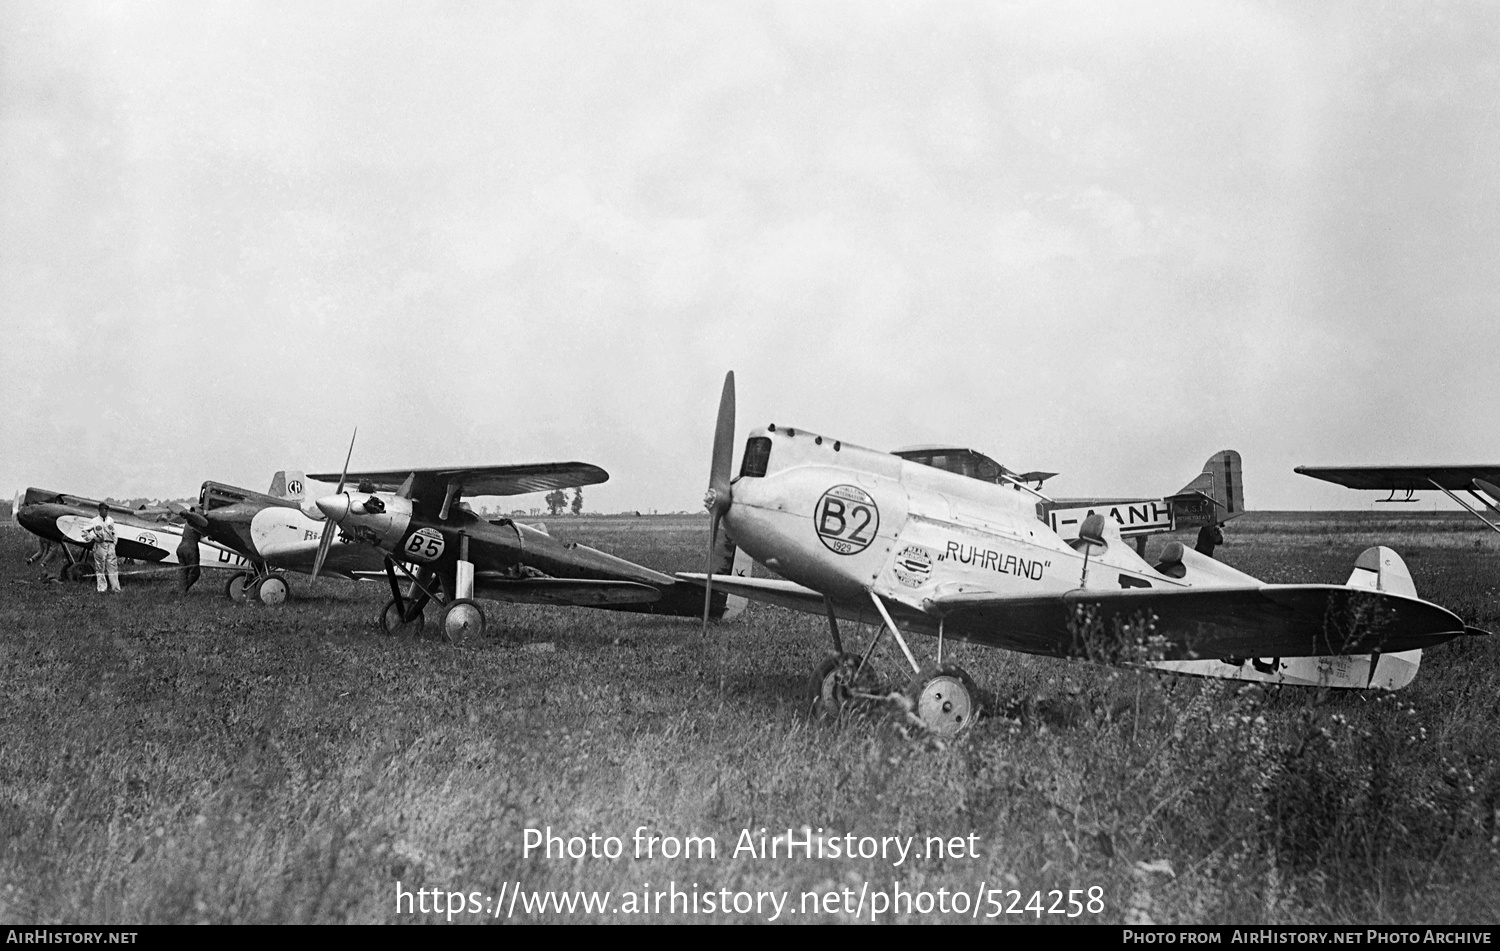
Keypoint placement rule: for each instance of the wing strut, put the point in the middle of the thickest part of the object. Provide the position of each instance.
(453, 489)
(1471, 509)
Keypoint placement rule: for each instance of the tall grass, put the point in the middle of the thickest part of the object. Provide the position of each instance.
(181, 760)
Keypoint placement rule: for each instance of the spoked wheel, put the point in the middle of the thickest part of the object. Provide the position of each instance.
(837, 682)
(270, 590)
(392, 625)
(944, 699)
(462, 622)
(237, 588)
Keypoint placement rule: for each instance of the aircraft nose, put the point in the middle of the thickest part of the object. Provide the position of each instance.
(28, 518)
(334, 506)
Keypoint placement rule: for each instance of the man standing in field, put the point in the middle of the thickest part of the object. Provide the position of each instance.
(1208, 536)
(187, 553)
(101, 532)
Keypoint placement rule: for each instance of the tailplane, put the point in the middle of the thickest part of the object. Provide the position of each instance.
(1376, 569)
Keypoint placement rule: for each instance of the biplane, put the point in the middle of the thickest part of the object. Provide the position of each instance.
(437, 551)
(1481, 483)
(867, 536)
(147, 535)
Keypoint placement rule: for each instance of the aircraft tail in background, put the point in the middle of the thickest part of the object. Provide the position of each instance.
(1216, 495)
(289, 484)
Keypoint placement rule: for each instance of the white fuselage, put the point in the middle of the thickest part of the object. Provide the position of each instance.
(846, 520)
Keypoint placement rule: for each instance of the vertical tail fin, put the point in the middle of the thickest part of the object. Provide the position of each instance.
(1381, 569)
(1216, 495)
(288, 484)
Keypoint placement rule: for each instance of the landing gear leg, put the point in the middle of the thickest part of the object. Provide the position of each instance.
(405, 612)
(462, 621)
(943, 697)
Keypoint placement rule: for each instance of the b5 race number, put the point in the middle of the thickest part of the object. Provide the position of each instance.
(425, 544)
(846, 519)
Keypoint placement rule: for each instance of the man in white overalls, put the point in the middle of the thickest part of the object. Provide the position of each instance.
(101, 532)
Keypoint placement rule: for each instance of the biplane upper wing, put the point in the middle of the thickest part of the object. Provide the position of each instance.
(1404, 478)
(477, 480)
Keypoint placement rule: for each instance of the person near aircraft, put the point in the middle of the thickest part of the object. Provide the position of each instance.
(46, 550)
(1209, 536)
(101, 532)
(187, 553)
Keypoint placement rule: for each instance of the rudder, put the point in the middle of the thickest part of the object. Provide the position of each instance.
(1221, 481)
(1381, 569)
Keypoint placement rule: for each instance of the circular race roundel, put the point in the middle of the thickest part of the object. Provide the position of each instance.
(846, 519)
(425, 544)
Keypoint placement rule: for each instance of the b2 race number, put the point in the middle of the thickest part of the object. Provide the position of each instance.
(846, 519)
(425, 544)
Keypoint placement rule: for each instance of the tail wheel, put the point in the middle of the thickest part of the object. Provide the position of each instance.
(462, 622)
(237, 587)
(392, 625)
(944, 699)
(837, 682)
(270, 590)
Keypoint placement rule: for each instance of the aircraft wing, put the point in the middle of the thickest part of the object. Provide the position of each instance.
(562, 591)
(787, 594)
(478, 480)
(1387, 478)
(1220, 623)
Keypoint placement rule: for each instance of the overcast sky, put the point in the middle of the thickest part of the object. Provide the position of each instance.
(1104, 239)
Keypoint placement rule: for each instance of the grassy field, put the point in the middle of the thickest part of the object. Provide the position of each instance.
(193, 760)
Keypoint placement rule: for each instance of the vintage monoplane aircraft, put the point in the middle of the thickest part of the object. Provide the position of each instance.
(865, 535)
(417, 516)
(1214, 496)
(151, 536)
(1482, 483)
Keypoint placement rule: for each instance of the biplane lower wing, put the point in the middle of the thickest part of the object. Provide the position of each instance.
(786, 594)
(672, 597)
(563, 591)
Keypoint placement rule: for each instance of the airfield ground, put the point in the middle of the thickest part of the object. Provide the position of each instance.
(182, 761)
